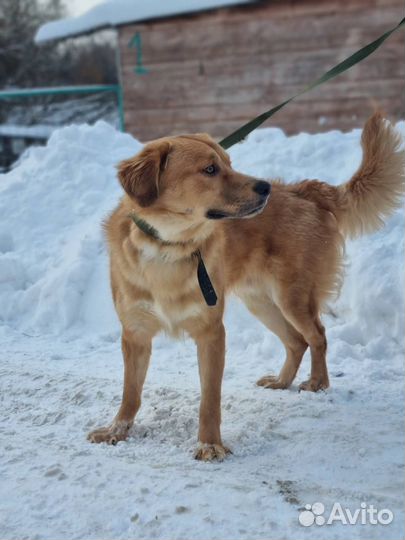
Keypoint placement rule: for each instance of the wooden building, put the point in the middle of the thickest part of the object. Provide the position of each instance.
(214, 69)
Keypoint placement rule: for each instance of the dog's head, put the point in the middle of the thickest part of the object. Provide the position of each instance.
(191, 175)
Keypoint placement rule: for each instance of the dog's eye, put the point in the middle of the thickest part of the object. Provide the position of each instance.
(211, 170)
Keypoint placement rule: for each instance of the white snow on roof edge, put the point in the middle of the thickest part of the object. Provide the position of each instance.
(116, 12)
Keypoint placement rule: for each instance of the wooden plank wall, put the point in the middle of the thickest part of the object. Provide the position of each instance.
(213, 71)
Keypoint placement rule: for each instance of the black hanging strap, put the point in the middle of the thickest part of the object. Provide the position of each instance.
(205, 283)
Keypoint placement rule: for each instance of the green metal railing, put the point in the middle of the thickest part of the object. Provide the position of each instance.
(68, 90)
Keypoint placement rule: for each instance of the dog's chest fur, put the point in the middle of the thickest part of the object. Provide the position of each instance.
(173, 294)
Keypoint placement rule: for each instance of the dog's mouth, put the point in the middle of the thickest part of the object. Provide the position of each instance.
(244, 212)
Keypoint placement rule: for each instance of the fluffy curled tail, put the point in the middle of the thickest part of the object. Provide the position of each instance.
(376, 189)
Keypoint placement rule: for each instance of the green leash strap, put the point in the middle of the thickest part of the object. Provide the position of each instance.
(343, 66)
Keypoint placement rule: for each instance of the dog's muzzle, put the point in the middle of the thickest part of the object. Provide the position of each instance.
(262, 188)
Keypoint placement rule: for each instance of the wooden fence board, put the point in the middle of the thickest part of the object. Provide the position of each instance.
(214, 71)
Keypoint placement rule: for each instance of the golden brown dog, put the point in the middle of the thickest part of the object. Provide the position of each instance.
(283, 258)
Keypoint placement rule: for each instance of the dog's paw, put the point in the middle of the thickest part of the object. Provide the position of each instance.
(118, 431)
(274, 382)
(313, 385)
(210, 452)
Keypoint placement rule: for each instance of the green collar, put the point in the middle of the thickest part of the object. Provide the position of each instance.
(150, 231)
(204, 281)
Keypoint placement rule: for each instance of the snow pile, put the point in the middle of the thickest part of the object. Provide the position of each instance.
(115, 12)
(51, 244)
(53, 266)
(61, 372)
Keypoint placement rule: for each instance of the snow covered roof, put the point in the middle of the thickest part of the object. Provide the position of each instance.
(117, 12)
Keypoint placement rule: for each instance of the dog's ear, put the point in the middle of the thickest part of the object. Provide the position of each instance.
(139, 176)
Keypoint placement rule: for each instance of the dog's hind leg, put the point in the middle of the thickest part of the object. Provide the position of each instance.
(302, 312)
(136, 351)
(271, 316)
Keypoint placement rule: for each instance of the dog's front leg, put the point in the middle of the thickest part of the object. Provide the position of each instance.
(211, 360)
(136, 351)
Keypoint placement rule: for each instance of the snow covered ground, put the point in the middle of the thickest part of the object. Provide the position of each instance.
(47, 113)
(61, 373)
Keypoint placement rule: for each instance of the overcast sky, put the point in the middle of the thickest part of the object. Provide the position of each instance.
(77, 7)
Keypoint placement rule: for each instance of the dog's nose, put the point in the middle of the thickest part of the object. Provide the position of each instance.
(262, 188)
